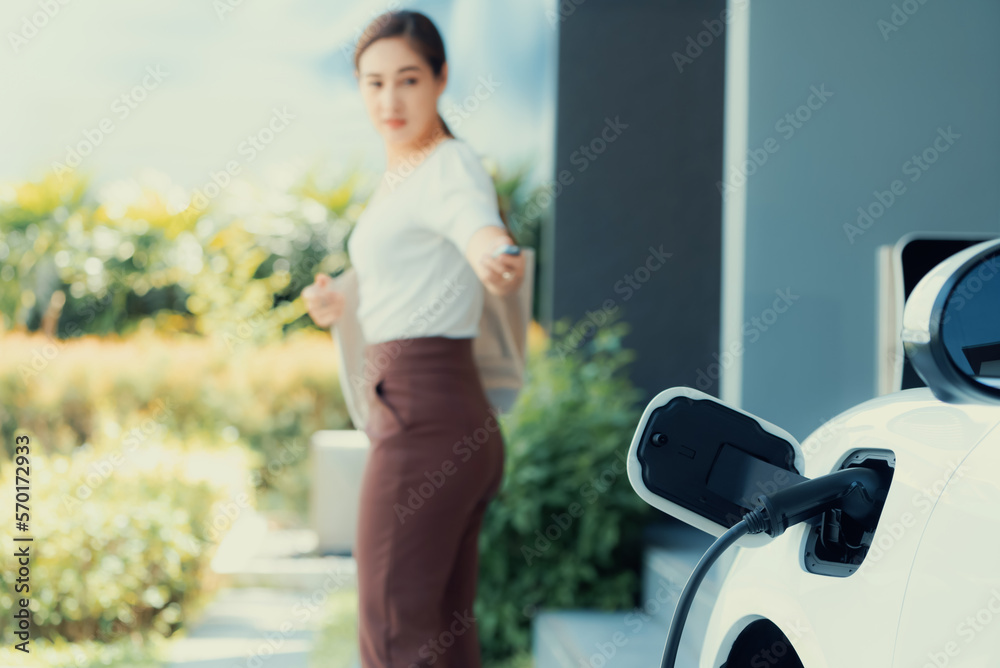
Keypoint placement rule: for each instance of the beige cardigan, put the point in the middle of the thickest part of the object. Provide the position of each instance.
(500, 349)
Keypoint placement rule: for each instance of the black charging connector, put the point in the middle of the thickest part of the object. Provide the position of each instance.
(853, 491)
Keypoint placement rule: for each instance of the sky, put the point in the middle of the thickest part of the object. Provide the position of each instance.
(179, 87)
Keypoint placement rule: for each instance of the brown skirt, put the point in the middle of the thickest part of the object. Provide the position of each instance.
(436, 461)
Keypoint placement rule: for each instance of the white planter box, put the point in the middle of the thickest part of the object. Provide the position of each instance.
(338, 459)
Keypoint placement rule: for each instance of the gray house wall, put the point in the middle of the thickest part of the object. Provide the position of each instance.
(909, 131)
(638, 152)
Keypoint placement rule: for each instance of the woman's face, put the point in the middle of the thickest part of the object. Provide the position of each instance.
(399, 90)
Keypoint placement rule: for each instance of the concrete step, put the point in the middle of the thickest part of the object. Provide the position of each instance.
(574, 638)
(303, 574)
(276, 587)
(252, 555)
(671, 553)
(248, 627)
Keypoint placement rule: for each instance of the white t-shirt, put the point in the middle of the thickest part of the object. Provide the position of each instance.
(408, 249)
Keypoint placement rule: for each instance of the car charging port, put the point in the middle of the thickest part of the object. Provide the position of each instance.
(858, 492)
(837, 543)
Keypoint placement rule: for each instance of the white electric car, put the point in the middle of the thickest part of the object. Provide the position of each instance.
(876, 542)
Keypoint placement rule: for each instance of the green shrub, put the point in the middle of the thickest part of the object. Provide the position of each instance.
(564, 531)
(123, 537)
(273, 398)
(77, 260)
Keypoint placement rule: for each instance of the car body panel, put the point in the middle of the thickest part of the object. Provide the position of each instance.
(948, 620)
(852, 621)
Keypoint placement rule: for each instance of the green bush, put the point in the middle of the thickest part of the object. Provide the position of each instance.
(131, 257)
(123, 538)
(565, 529)
(270, 397)
(77, 262)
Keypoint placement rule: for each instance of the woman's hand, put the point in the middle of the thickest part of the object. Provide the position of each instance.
(324, 304)
(503, 274)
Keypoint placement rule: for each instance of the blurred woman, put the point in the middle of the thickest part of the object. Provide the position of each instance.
(424, 250)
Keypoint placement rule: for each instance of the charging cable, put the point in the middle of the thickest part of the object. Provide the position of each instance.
(851, 490)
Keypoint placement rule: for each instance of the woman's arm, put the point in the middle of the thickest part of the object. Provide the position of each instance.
(490, 270)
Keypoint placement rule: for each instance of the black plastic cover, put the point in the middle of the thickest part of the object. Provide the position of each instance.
(711, 459)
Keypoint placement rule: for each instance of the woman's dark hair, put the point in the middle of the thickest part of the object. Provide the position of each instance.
(423, 37)
(419, 31)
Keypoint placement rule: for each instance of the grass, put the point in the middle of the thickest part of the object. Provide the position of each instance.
(336, 639)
